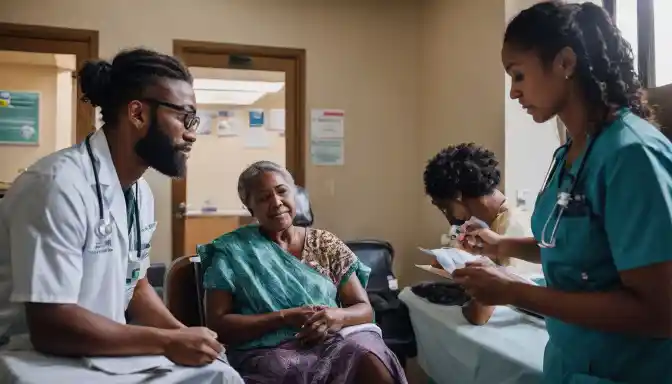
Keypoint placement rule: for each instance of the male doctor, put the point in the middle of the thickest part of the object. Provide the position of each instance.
(76, 229)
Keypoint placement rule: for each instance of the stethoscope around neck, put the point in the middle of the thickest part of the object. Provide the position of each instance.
(103, 228)
(564, 197)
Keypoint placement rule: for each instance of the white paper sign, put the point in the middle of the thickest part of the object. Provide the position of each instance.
(327, 137)
(257, 138)
(327, 124)
(276, 120)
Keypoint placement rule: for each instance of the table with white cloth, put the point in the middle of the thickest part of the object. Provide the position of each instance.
(508, 349)
(30, 367)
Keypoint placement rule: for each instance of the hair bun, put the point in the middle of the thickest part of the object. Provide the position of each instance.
(94, 80)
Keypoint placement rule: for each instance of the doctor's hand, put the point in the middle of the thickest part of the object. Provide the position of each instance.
(195, 346)
(480, 241)
(487, 283)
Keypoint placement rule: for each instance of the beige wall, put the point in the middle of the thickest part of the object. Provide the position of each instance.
(461, 94)
(216, 162)
(412, 76)
(362, 57)
(42, 79)
(51, 76)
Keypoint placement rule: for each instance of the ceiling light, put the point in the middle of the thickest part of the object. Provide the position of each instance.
(238, 85)
(204, 96)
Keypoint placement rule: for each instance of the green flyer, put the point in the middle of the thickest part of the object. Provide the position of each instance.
(19, 118)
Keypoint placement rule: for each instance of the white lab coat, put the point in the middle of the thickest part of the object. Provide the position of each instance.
(49, 249)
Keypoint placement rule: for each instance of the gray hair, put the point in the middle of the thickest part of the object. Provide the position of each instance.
(251, 173)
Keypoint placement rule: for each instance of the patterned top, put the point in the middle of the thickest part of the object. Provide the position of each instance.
(263, 278)
(328, 255)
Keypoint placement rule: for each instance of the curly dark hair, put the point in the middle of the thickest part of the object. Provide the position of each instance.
(605, 63)
(109, 85)
(466, 169)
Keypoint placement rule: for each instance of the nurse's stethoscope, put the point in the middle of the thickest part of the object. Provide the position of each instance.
(104, 227)
(564, 197)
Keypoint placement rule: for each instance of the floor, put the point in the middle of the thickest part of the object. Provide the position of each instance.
(414, 373)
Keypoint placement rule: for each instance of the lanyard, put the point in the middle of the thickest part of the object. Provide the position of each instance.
(134, 219)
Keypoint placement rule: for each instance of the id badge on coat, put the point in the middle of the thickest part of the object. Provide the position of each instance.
(137, 265)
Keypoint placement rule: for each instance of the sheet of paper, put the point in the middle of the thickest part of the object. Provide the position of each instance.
(228, 124)
(276, 120)
(129, 365)
(327, 124)
(450, 258)
(327, 137)
(257, 138)
(436, 271)
(453, 258)
(205, 127)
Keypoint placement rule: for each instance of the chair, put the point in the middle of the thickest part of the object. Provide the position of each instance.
(304, 212)
(391, 314)
(184, 291)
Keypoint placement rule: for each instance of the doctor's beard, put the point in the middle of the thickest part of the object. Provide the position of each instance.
(159, 152)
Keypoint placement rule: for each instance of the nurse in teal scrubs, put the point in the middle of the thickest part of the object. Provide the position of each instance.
(603, 221)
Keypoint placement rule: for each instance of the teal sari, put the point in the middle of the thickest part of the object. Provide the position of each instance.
(263, 278)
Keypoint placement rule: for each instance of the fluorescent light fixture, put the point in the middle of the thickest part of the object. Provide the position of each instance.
(233, 92)
(238, 85)
(227, 97)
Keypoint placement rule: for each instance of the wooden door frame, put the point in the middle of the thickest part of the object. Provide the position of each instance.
(79, 42)
(295, 152)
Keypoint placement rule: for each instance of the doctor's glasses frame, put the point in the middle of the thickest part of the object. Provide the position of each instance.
(190, 120)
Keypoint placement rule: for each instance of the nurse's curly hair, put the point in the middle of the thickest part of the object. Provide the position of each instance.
(110, 85)
(466, 170)
(605, 62)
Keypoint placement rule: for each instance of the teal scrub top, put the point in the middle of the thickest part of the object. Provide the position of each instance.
(625, 224)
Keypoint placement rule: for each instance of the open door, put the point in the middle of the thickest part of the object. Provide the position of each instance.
(38, 68)
(236, 85)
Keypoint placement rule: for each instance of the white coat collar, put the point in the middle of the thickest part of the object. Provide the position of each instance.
(113, 195)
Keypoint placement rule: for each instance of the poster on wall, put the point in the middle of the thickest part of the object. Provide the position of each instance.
(327, 137)
(19, 118)
(205, 126)
(226, 124)
(256, 138)
(256, 118)
(276, 120)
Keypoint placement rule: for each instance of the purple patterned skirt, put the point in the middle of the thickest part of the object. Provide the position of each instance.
(334, 361)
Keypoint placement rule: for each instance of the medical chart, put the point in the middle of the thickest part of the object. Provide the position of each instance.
(451, 258)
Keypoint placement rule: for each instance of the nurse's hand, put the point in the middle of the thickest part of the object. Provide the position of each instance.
(480, 241)
(195, 346)
(487, 283)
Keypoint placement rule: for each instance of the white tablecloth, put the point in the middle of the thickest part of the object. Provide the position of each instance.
(508, 349)
(29, 367)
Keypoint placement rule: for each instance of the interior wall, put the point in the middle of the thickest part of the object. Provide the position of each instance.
(461, 94)
(65, 110)
(362, 58)
(33, 78)
(216, 162)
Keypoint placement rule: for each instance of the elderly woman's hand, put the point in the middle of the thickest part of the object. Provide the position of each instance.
(321, 325)
(297, 317)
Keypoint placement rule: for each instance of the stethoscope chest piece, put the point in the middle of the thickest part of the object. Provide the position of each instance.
(103, 229)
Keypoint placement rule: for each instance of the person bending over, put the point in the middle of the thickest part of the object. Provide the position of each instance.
(462, 182)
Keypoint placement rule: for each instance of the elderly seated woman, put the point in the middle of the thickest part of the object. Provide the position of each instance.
(273, 292)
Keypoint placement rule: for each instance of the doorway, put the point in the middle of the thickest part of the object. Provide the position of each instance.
(251, 102)
(42, 108)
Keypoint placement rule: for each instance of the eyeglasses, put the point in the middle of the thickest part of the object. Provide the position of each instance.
(190, 120)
